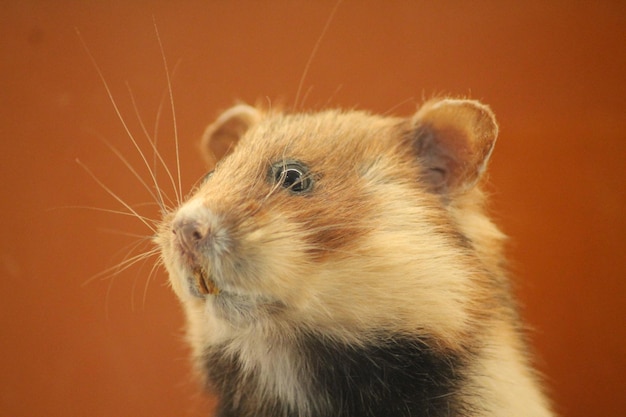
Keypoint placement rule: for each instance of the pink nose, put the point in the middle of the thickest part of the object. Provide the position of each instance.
(190, 233)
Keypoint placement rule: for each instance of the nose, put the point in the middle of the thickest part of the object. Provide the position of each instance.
(190, 233)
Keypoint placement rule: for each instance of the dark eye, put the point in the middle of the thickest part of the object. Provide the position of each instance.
(205, 178)
(293, 176)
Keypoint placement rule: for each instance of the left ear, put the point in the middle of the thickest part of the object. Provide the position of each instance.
(453, 139)
(220, 138)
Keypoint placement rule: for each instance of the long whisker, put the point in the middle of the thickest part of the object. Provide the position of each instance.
(332, 96)
(104, 210)
(394, 107)
(134, 286)
(111, 98)
(306, 95)
(171, 96)
(164, 97)
(153, 169)
(115, 196)
(121, 233)
(156, 153)
(156, 197)
(267, 196)
(153, 270)
(155, 134)
(314, 52)
(119, 116)
(126, 263)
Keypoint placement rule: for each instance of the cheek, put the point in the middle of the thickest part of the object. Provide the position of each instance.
(176, 279)
(333, 221)
(170, 261)
(278, 259)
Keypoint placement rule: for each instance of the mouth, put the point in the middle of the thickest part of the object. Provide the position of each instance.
(204, 283)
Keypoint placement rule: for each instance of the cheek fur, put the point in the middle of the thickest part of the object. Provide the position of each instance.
(388, 297)
(351, 286)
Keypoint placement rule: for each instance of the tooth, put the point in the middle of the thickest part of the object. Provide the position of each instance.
(204, 282)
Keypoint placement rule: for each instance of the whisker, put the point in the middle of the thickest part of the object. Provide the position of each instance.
(390, 110)
(104, 210)
(122, 233)
(107, 297)
(109, 94)
(111, 273)
(267, 196)
(142, 256)
(129, 262)
(332, 96)
(155, 135)
(314, 52)
(136, 277)
(153, 270)
(148, 204)
(269, 104)
(123, 122)
(156, 154)
(112, 194)
(158, 199)
(306, 95)
(126, 263)
(171, 96)
(164, 97)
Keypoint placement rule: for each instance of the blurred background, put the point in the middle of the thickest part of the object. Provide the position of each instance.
(79, 341)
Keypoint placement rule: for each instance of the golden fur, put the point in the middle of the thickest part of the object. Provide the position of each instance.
(393, 237)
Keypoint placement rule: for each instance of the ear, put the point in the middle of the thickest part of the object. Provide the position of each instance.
(220, 138)
(453, 139)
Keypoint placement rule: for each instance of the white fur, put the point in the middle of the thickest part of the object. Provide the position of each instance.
(427, 265)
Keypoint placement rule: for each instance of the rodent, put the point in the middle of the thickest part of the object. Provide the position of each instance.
(340, 263)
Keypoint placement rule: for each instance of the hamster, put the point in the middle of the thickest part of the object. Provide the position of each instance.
(341, 264)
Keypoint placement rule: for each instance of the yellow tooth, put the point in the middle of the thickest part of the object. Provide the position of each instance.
(204, 283)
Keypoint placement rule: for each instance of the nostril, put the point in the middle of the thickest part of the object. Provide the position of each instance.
(190, 233)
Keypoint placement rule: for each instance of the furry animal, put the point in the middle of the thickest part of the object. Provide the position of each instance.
(341, 264)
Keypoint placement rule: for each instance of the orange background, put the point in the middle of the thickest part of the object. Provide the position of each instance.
(554, 73)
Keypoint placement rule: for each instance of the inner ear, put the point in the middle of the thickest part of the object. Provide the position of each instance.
(220, 138)
(453, 140)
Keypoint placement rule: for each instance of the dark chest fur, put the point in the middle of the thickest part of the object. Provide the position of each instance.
(396, 377)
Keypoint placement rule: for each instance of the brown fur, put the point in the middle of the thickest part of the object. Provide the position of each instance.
(393, 237)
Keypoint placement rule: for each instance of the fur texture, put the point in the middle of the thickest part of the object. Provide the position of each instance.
(341, 264)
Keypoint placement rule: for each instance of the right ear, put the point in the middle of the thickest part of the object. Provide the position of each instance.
(220, 138)
(454, 139)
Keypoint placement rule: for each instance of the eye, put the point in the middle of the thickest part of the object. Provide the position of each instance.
(293, 176)
(206, 177)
